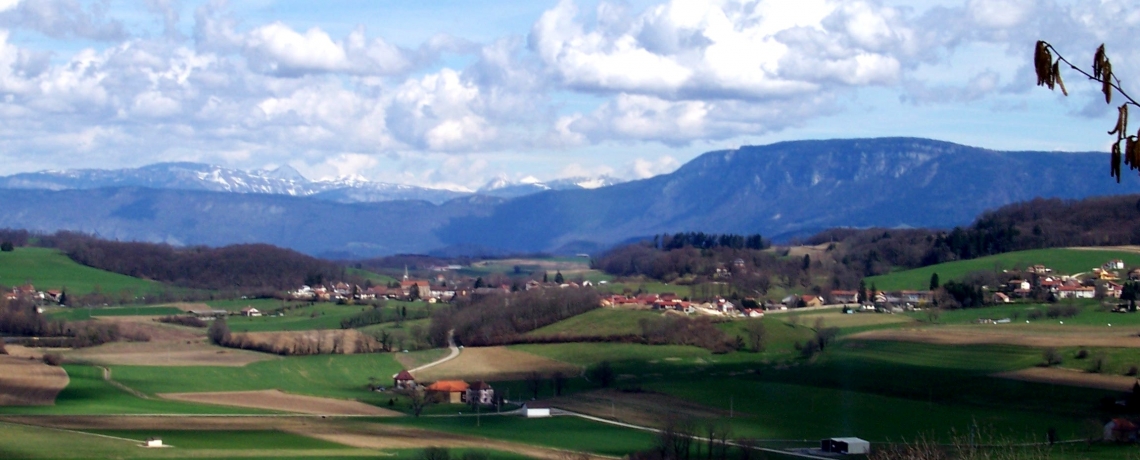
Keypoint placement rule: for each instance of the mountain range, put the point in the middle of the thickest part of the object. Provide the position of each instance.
(284, 180)
(780, 190)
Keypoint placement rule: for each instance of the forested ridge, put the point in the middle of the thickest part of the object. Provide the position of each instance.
(237, 268)
(852, 254)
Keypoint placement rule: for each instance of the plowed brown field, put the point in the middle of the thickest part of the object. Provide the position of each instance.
(494, 363)
(25, 382)
(1051, 336)
(1070, 377)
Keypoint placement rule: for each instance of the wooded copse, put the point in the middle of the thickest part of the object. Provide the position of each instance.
(503, 318)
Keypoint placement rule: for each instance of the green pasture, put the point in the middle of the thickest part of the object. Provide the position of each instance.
(50, 269)
(558, 432)
(874, 389)
(1092, 313)
(261, 304)
(1062, 261)
(336, 376)
(88, 394)
(80, 313)
(375, 278)
(29, 442)
(598, 323)
(317, 316)
(229, 440)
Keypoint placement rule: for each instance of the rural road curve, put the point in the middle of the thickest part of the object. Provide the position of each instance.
(454, 353)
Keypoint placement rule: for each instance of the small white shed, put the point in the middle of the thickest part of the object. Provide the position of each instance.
(153, 442)
(537, 412)
(845, 446)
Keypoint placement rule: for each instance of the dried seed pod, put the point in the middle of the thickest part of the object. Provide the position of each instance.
(1057, 77)
(1099, 59)
(1121, 114)
(1043, 64)
(1106, 82)
(1115, 162)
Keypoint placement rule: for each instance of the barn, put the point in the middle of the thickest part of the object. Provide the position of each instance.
(845, 446)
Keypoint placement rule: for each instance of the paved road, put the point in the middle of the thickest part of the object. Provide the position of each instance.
(454, 354)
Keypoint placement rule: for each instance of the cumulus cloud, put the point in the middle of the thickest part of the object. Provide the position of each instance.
(448, 110)
(702, 49)
(61, 19)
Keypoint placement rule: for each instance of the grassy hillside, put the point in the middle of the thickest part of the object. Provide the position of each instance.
(51, 269)
(1066, 261)
(337, 376)
(76, 314)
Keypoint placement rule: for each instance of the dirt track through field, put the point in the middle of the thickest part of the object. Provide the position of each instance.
(281, 401)
(494, 363)
(351, 433)
(1070, 377)
(25, 382)
(1073, 336)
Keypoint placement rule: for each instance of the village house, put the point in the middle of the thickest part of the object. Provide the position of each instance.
(481, 393)
(418, 288)
(1076, 292)
(1114, 264)
(844, 296)
(1000, 297)
(250, 311)
(449, 391)
(812, 300)
(404, 381)
(916, 297)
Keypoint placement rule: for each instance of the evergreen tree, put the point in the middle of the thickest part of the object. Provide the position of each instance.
(862, 291)
(934, 281)
(807, 262)
(478, 282)
(7, 246)
(558, 277)
(63, 297)
(544, 279)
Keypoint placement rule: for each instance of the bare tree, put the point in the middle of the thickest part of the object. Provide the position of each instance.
(534, 383)
(558, 379)
(1126, 148)
(757, 335)
(418, 400)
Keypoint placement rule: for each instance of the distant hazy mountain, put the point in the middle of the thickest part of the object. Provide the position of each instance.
(794, 188)
(778, 190)
(504, 188)
(195, 176)
(281, 181)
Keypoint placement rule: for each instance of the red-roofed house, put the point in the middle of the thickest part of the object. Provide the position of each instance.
(449, 391)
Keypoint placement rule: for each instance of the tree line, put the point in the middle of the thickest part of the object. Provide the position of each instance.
(503, 318)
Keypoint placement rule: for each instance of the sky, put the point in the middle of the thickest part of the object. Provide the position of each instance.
(453, 94)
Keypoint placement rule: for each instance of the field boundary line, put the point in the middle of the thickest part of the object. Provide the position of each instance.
(65, 430)
(120, 385)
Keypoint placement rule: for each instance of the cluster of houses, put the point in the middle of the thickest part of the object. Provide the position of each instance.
(1107, 278)
(671, 302)
(29, 292)
(448, 391)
